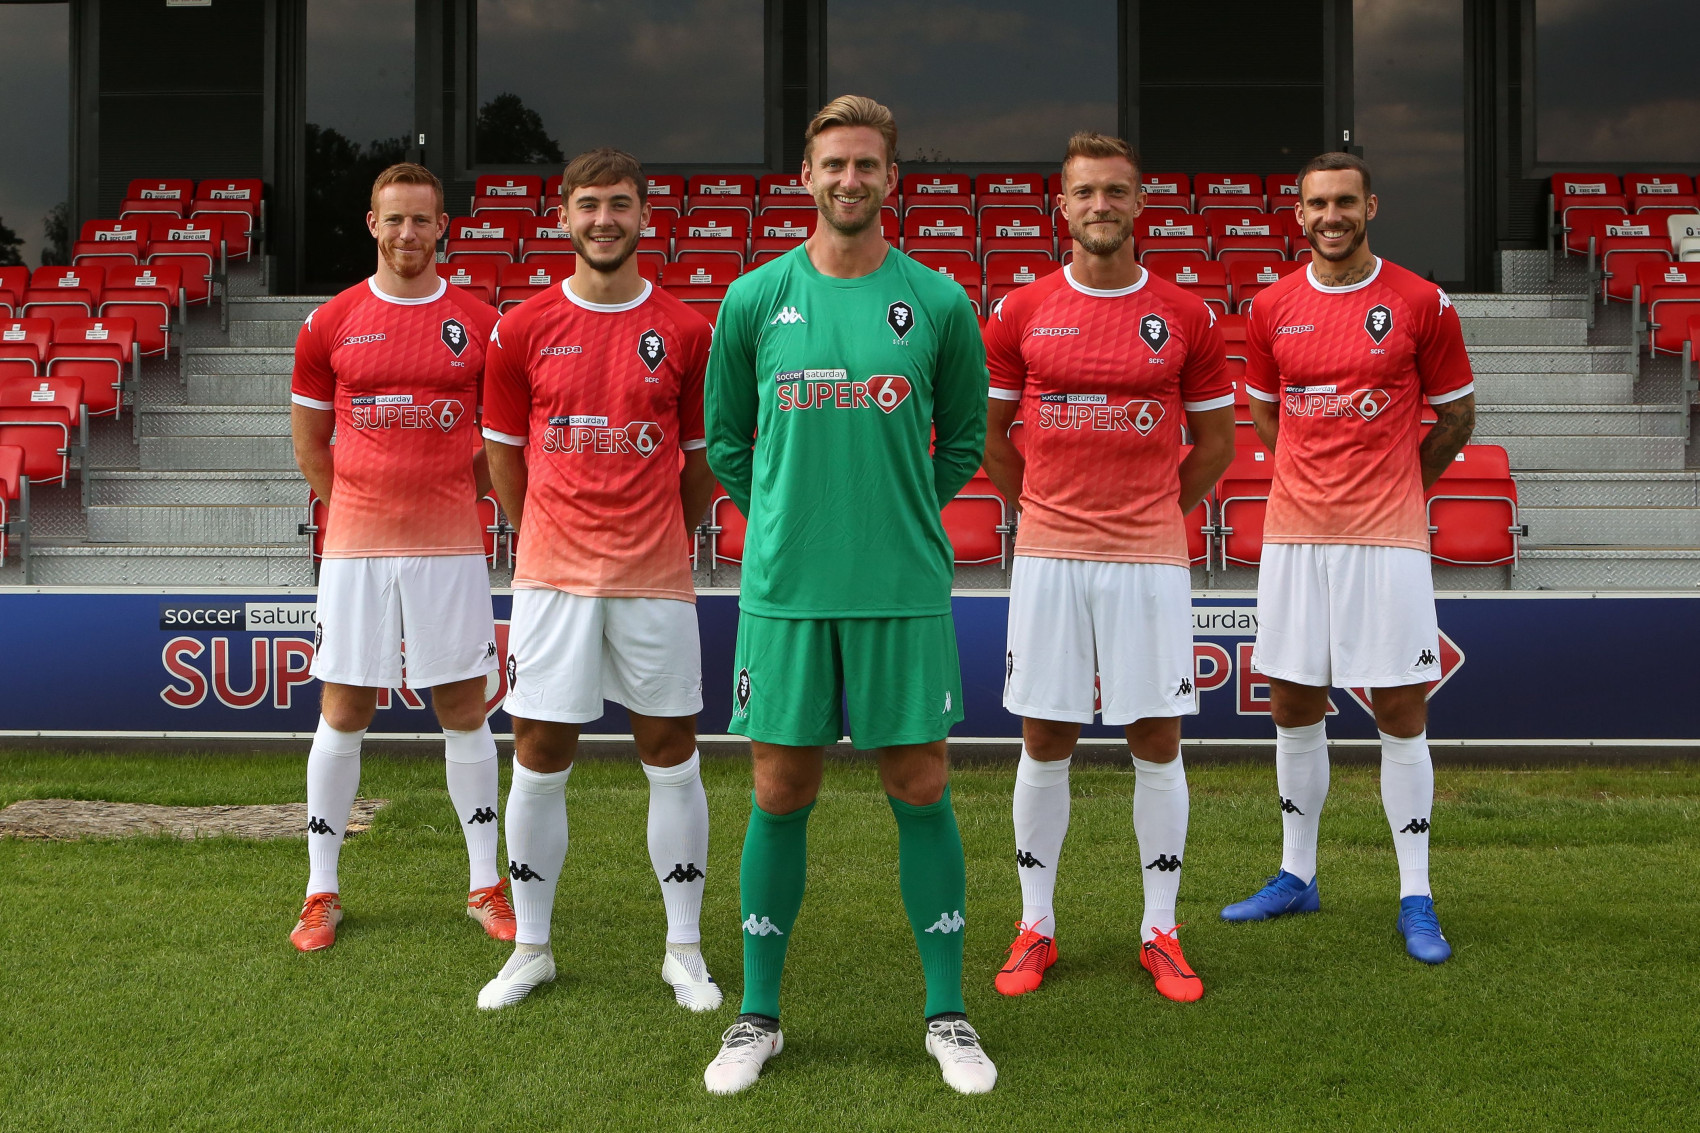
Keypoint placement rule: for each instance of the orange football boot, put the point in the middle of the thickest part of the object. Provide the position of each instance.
(1029, 956)
(316, 930)
(490, 907)
(1161, 956)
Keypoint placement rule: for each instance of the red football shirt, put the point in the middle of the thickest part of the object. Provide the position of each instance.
(1103, 378)
(402, 376)
(606, 397)
(1350, 367)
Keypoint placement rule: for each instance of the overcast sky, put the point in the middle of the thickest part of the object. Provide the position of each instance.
(35, 78)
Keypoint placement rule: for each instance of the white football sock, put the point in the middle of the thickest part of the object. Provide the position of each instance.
(471, 768)
(537, 848)
(333, 779)
(1041, 822)
(1407, 795)
(1301, 775)
(678, 844)
(1160, 806)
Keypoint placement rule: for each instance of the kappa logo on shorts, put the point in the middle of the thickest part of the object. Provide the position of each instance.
(652, 349)
(901, 318)
(1378, 322)
(1154, 329)
(947, 702)
(454, 336)
(1426, 657)
(1185, 688)
(743, 692)
(489, 650)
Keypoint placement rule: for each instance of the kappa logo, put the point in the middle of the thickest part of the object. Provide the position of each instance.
(1378, 322)
(363, 339)
(787, 316)
(1425, 658)
(482, 815)
(1288, 806)
(1415, 826)
(1446, 300)
(489, 650)
(743, 692)
(1026, 860)
(948, 922)
(1165, 863)
(652, 349)
(901, 318)
(317, 825)
(454, 336)
(1185, 688)
(1154, 329)
(685, 871)
(947, 702)
(520, 871)
(1449, 657)
(1370, 402)
(763, 927)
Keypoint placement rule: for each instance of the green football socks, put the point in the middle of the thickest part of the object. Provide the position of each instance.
(770, 891)
(932, 875)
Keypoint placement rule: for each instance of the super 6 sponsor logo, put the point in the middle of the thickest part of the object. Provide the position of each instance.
(592, 433)
(397, 411)
(1326, 401)
(278, 616)
(800, 389)
(1091, 411)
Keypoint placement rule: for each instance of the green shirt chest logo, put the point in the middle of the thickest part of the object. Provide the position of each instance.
(832, 389)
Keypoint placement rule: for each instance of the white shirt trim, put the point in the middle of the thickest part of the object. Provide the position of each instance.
(1222, 402)
(442, 288)
(1253, 391)
(997, 394)
(1443, 398)
(503, 438)
(1099, 293)
(310, 402)
(606, 308)
(692, 446)
(1310, 274)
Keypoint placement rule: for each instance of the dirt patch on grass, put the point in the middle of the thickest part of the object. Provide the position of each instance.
(69, 820)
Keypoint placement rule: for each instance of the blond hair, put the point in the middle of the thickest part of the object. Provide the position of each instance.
(1090, 143)
(407, 173)
(604, 166)
(853, 110)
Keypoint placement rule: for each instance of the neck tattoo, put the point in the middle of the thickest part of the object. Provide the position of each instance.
(1346, 278)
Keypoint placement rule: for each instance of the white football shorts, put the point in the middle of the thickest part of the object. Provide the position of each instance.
(567, 653)
(1128, 624)
(1346, 615)
(438, 604)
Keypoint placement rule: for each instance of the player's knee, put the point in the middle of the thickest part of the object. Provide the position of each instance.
(664, 741)
(348, 708)
(460, 704)
(1296, 706)
(915, 774)
(1401, 711)
(543, 746)
(1155, 739)
(1049, 740)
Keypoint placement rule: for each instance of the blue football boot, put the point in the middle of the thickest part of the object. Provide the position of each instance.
(1282, 895)
(1421, 930)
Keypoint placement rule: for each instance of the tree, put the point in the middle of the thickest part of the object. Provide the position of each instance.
(10, 242)
(56, 225)
(339, 194)
(511, 133)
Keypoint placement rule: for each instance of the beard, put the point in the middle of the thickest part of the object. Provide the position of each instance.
(610, 262)
(405, 265)
(850, 225)
(1351, 248)
(1102, 245)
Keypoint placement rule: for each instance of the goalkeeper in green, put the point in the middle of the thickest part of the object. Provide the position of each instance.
(833, 368)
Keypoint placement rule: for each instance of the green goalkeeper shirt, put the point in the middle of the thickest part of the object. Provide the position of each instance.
(822, 399)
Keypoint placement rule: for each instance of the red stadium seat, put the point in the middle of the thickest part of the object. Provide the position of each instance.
(1243, 236)
(234, 204)
(147, 294)
(476, 277)
(161, 189)
(1242, 495)
(934, 190)
(1208, 281)
(948, 228)
(723, 232)
(515, 283)
(1652, 185)
(1170, 230)
(193, 248)
(976, 528)
(544, 239)
(1234, 191)
(1199, 535)
(1671, 295)
(1018, 230)
(725, 532)
(1656, 210)
(1012, 189)
(14, 497)
(1167, 191)
(98, 353)
(699, 276)
(517, 186)
(781, 229)
(153, 210)
(28, 340)
(666, 190)
(1247, 277)
(1010, 272)
(493, 239)
(1472, 510)
(490, 519)
(658, 237)
(965, 272)
(1620, 248)
(488, 207)
(1281, 190)
(48, 429)
(722, 191)
(782, 190)
(14, 281)
(64, 292)
(1575, 194)
(318, 518)
(109, 242)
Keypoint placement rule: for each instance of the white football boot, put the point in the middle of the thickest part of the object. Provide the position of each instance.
(518, 978)
(956, 1045)
(744, 1049)
(686, 972)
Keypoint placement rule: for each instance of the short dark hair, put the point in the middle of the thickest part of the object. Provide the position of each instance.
(604, 165)
(1327, 162)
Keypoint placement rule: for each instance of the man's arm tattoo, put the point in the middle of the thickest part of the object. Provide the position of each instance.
(1448, 436)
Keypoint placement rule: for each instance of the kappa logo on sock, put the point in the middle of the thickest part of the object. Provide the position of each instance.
(1165, 863)
(483, 814)
(317, 825)
(684, 871)
(520, 871)
(1026, 860)
(1287, 806)
(948, 922)
(763, 927)
(1415, 826)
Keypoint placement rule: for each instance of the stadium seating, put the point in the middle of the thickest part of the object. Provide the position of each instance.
(1241, 498)
(97, 352)
(1010, 272)
(936, 190)
(1207, 280)
(1171, 230)
(782, 190)
(1670, 294)
(976, 527)
(109, 242)
(63, 292)
(1619, 245)
(965, 272)
(1232, 191)
(14, 281)
(517, 187)
(477, 276)
(779, 229)
(194, 248)
(28, 340)
(1010, 189)
(665, 191)
(1246, 277)
(544, 239)
(14, 503)
(1575, 194)
(515, 283)
(1021, 231)
(45, 418)
(722, 191)
(722, 232)
(1245, 237)
(941, 228)
(165, 208)
(1281, 190)
(1683, 230)
(492, 239)
(1472, 510)
(1657, 184)
(698, 277)
(1167, 191)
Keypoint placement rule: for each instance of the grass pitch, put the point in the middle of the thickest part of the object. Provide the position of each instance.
(150, 985)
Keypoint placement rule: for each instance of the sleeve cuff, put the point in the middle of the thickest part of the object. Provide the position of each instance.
(1222, 402)
(1253, 391)
(503, 438)
(1454, 395)
(1004, 394)
(309, 402)
(692, 446)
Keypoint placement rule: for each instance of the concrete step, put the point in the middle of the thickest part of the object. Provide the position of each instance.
(1541, 389)
(240, 360)
(217, 420)
(294, 308)
(218, 452)
(1586, 453)
(1613, 489)
(154, 565)
(1488, 330)
(198, 525)
(1476, 305)
(183, 489)
(239, 389)
(1579, 420)
(1613, 525)
(1614, 568)
(1550, 359)
(264, 332)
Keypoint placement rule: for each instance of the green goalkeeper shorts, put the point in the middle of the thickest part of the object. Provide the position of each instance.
(793, 677)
